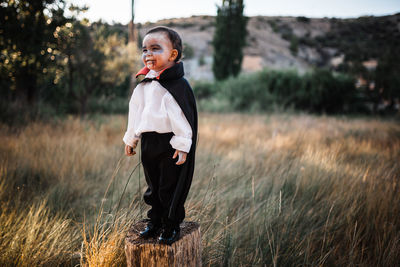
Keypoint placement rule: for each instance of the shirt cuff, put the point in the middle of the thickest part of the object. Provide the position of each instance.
(129, 139)
(181, 143)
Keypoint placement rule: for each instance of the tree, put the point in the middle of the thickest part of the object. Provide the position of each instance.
(131, 27)
(387, 76)
(229, 39)
(93, 61)
(122, 59)
(82, 62)
(26, 42)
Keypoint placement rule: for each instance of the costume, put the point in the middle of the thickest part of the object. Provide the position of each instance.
(168, 183)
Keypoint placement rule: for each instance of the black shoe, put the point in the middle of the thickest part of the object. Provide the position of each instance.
(151, 230)
(169, 235)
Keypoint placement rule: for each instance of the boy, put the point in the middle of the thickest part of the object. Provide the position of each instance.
(163, 114)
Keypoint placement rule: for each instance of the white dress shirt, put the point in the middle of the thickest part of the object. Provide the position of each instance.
(153, 108)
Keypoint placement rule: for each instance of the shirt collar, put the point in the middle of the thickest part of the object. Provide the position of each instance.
(150, 73)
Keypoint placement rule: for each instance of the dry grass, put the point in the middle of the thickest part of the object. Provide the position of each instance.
(302, 190)
(268, 190)
(32, 236)
(104, 246)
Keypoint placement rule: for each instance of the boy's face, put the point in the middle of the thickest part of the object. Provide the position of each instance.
(158, 52)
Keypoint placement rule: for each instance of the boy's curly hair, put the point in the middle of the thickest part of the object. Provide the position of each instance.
(173, 37)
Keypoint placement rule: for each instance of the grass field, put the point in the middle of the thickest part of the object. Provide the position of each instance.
(268, 190)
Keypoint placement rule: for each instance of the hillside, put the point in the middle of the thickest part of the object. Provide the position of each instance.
(289, 42)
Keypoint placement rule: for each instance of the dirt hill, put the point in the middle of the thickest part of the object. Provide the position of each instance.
(288, 42)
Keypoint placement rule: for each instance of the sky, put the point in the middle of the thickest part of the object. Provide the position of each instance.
(152, 10)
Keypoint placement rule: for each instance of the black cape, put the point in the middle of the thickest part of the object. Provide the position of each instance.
(172, 80)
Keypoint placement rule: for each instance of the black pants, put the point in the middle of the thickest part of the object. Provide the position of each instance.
(161, 175)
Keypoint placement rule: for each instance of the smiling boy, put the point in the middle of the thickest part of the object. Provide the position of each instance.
(163, 115)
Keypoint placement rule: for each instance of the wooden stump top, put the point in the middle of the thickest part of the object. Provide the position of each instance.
(186, 251)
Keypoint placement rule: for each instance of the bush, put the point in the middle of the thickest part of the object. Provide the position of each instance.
(294, 45)
(319, 91)
(303, 19)
(282, 84)
(247, 93)
(203, 89)
(109, 105)
(188, 51)
(17, 113)
(274, 26)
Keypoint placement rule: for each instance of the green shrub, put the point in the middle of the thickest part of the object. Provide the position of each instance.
(322, 91)
(203, 89)
(188, 51)
(282, 84)
(202, 60)
(247, 92)
(294, 45)
(303, 19)
(108, 105)
(273, 25)
(319, 91)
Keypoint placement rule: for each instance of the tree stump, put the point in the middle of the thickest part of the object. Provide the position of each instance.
(148, 253)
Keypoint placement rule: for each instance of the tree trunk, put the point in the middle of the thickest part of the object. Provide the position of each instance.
(132, 32)
(83, 101)
(148, 253)
(26, 86)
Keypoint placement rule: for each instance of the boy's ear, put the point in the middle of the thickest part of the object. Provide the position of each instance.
(174, 54)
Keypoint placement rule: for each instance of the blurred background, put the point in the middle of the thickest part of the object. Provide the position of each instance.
(78, 57)
(297, 162)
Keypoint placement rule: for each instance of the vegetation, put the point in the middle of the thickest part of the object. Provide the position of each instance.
(387, 77)
(202, 60)
(188, 51)
(286, 33)
(363, 39)
(26, 42)
(359, 40)
(229, 39)
(57, 63)
(303, 19)
(60, 65)
(294, 45)
(268, 190)
(319, 91)
(274, 24)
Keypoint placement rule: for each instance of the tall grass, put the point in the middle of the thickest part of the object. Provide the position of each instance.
(272, 189)
(32, 236)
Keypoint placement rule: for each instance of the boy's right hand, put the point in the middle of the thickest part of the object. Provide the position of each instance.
(130, 150)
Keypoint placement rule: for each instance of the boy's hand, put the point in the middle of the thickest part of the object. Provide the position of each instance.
(182, 156)
(130, 150)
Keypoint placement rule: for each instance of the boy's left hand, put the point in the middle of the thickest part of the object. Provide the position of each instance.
(182, 156)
